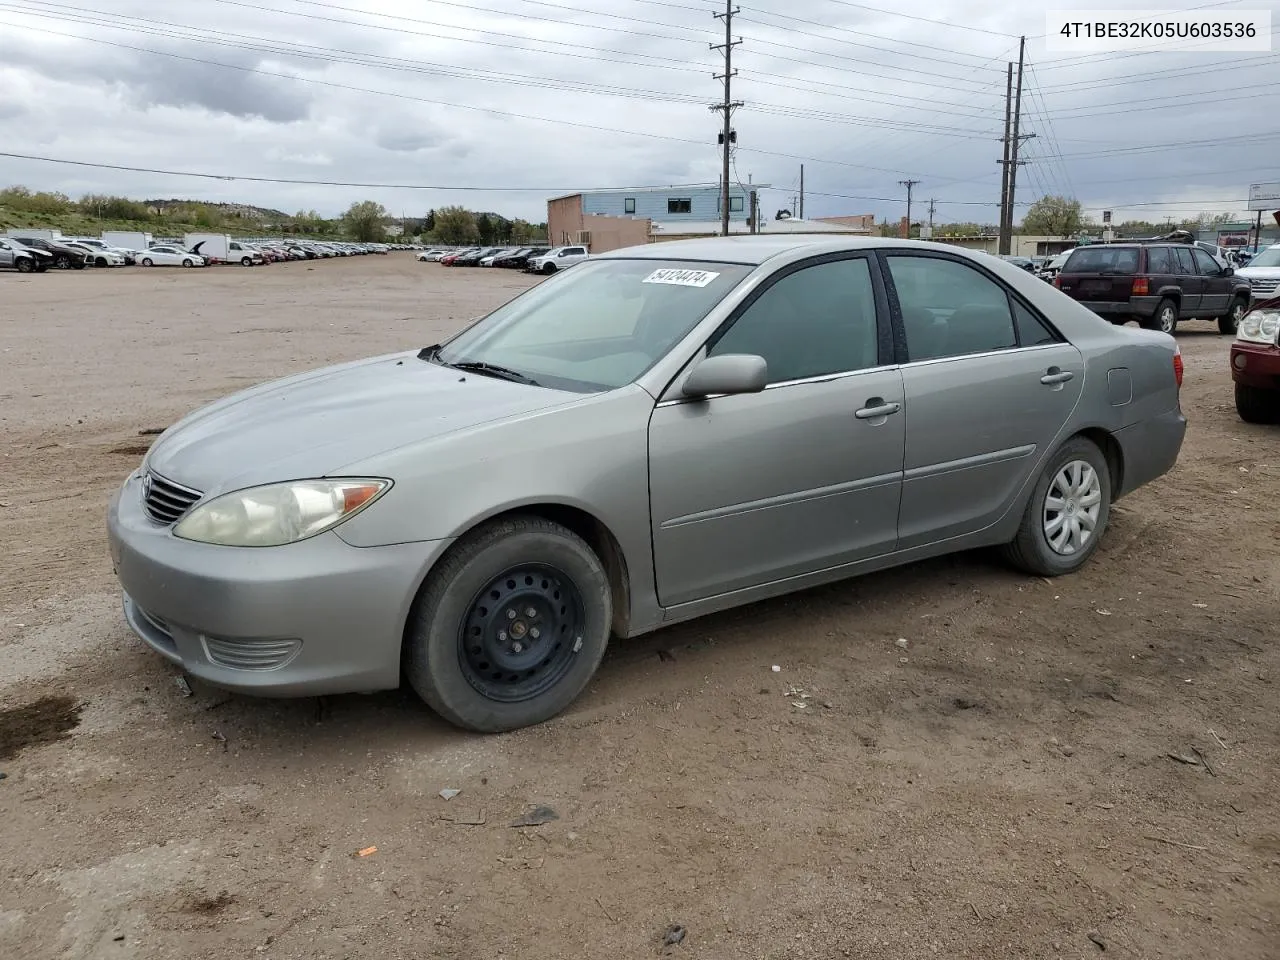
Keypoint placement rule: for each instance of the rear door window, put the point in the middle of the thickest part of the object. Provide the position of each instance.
(1112, 260)
(1160, 261)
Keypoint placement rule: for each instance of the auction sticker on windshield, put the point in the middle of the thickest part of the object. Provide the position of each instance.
(681, 278)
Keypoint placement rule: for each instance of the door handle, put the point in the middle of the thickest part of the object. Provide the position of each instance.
(1054, 376)
(876, 408)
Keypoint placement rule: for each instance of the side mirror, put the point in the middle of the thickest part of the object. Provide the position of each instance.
(729, 373)
(1228, 271)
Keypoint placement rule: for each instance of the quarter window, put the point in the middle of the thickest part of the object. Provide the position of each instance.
(1185, 263)
(949, 309)
(819, 320)
(1032, 331)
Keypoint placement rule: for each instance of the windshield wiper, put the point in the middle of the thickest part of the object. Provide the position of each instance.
(493, 370)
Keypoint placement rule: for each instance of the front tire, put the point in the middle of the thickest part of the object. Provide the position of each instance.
(23, 265)
(1067, 512)
(1229, 322)
(1257, 406)
(548, 268)
(62, 262)
(510, 626)
(148, 262)
(187, 262)
(246, 262)
(101, 262)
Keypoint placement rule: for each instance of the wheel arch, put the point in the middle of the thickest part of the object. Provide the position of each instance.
(603, 542)
(1105, 441)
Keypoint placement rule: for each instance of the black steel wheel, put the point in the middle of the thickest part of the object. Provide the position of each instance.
(510, 625)
(521, 632)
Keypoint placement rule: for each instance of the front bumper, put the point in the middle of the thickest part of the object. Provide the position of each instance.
(1256, 365)
(310, 618)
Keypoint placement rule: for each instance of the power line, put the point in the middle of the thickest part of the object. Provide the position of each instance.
(908, 16)
(461, 106)
(327, 54)
(471, 188)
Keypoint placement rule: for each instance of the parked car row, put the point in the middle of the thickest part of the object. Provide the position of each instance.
(29, 252)
(530, 259)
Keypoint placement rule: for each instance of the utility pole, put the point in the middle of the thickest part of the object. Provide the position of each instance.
(802, 191)
(1003, 240)
(1017, 141)
(908, 184)
(755, 212)
(932, 203)
(726, 107)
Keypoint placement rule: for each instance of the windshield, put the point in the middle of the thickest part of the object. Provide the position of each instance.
(1102, 260)
(1269, 257)
(598, 326)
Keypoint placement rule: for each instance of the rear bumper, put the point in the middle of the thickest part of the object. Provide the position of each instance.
(1150, 448)
(1133, 307)
(1256, 365)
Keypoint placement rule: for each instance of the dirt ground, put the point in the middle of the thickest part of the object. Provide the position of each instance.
(999, 782)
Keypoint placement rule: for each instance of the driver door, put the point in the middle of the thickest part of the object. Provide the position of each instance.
(805, 475)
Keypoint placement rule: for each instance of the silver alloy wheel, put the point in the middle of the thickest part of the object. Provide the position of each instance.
(1168, 319)
(1238, 310)
(1071, 507)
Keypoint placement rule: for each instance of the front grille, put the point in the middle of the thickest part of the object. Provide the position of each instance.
(164, 500)
(250, 654)
(1265, 287)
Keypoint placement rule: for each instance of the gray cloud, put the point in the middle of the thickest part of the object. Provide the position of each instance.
(867, 97)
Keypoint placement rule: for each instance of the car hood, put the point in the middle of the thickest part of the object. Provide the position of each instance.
(312, 424)
(1259, 273)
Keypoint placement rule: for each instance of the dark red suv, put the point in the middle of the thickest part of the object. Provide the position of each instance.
(1156, 284)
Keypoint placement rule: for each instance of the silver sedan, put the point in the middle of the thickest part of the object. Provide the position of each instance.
(663, 432)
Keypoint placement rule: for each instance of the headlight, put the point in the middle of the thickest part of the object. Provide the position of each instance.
(281, 513)
(1259, 326)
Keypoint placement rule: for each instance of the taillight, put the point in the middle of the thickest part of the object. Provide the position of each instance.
(1057, 281)
(1177, 366)
(1141, 286)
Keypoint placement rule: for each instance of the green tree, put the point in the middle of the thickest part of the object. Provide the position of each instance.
(521, 232)
(958, 230)
(456, 225)
(429, 225)
(484, 229)
(1053, 216)
(364, 221)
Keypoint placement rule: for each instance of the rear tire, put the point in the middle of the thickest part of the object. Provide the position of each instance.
(1165, 319)
(510, 626)
(1075, 481)
(1229, 322)
(1257, 406)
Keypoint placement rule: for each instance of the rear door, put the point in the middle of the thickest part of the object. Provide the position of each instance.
(1190, 280)
(1218, 288)
(989, 385)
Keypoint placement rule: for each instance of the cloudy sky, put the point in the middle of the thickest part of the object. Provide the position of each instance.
(569, 94)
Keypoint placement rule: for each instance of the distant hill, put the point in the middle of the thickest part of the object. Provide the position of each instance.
(242, 211)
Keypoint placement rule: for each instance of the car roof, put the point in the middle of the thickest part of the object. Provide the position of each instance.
(755, 250)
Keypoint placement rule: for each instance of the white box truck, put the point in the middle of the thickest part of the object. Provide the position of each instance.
(220, 248)
(51, 235)
(127, 239)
